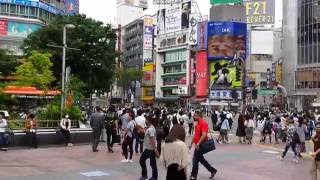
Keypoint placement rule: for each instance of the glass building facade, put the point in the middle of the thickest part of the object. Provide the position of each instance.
(308, 66)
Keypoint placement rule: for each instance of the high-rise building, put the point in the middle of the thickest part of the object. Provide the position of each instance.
(19, 18)
(301, 55)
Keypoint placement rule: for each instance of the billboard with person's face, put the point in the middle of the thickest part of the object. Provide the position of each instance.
(226, 40)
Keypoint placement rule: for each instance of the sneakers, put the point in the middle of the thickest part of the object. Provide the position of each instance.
(70, 145)
(130, 161)
(125, 161)
(295, 160)
(192, 178)
(281, 158)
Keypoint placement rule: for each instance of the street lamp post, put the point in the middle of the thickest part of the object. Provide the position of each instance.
(65, 27)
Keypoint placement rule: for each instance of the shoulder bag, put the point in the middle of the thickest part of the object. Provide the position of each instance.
(208, 145)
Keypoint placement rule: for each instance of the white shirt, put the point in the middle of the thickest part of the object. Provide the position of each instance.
(249, 123)
(3, 125)
(141, 121)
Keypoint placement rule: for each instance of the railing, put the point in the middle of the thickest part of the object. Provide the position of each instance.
(42, 124)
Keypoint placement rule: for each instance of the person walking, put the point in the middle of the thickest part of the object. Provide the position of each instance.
(65, 125)
(97, 124)
(150, 152)
(316, 154)
(301, 131)
(141, 123)
(190, 123)
(292, 138)
(31, 126)
(249, 124)
(200, 136)
(175, 155)
(128, 139)
(225, 127)
(241, 129)
(277, 129)
(111, 126)
(3, 138)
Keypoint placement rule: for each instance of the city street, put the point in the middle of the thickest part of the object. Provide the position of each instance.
(234, 162)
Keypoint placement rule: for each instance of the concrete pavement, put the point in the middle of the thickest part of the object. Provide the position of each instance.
(234, 162)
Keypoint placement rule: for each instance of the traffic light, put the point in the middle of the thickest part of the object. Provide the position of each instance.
(238, 74)
(254, 94)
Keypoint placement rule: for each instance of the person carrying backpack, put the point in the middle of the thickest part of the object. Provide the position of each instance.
(267, 130)
(111, 126)
(292, 140)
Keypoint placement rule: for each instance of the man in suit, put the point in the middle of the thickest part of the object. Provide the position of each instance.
(97, 124)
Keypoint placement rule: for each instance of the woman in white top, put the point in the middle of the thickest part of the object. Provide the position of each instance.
(175, 155)
(249, 124)
(65, 125)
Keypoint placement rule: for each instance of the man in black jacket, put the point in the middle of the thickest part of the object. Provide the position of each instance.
(97, 124)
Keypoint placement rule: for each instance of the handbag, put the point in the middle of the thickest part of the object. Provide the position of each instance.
(207, 146)
(116, 138)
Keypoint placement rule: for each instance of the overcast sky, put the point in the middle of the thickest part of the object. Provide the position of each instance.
(105, 10)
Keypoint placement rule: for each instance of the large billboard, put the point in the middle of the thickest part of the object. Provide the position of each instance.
(235, 13)
(3, 27)
(225, 74)
(72, 6)
(202, 78)
(172, 40)
(138, 3)
(148, 74)
(226, 40)
(260, 11)
(219, 2)
(19, 29)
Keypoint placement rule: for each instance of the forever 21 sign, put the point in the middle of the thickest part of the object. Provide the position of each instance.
(166, 42)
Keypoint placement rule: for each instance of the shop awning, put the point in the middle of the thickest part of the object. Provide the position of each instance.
(29, 91)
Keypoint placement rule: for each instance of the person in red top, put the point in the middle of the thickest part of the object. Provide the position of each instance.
(200, 136)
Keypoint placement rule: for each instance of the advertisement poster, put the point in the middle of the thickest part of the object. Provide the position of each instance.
(260, 11)
(226, 40)
(224, 94)
(202, 36)
(173, 18)
(19, 29)
(220, 2)
(202, 78)
(224, 73)
(3, 27)
(165, 42)
(148, 74)
(148, 37)
(72, 6)
(161, 21)
(185, 14)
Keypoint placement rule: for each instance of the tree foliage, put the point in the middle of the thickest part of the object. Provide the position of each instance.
(8, 63)
(125, 76)
(76, 88)
(35, 71)
(95, 41)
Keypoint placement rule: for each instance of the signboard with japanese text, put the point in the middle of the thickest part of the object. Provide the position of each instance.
(193, 24)
(202, 38)
(148, 74)
(260, 11)
(19, 29)
(35, 3)
(173, 18)
(172, 40)
(224, 94)
(226, 40)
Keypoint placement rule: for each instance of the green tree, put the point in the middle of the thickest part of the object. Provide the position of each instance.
(94, 64)
(125, 77)
(76, 88)
(8, 63)
(35, 71)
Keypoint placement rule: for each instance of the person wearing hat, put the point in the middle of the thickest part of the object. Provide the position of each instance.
(316, 153)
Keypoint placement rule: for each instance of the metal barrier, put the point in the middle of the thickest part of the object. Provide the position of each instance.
(42, 124)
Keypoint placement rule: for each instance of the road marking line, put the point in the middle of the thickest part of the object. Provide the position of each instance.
(271, 152)
(95, 174)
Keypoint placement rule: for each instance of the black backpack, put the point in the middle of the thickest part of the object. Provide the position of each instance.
(110, 119)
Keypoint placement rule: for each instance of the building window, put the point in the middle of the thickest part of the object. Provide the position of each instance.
(13, 9)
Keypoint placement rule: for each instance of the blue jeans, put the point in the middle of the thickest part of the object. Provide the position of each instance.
(3, 140)
(198, 157)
